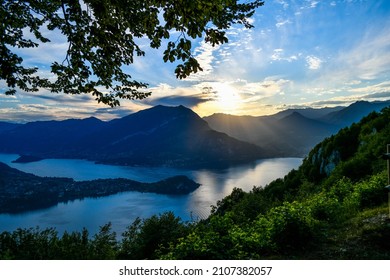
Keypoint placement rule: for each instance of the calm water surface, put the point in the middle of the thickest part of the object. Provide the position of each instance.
(121, 209)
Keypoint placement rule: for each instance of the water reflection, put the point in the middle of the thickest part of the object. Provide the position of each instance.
(121, 209)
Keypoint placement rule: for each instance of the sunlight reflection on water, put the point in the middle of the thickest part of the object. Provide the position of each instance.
(121, 209)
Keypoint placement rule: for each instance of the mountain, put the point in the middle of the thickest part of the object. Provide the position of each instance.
(353, 113)
(4, 126)
(169, 136)
(311, 113)
(47, 138)
(300, 134)
(295, 131)
(292, 135)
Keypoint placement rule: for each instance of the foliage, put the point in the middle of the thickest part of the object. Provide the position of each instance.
(27, 244)
(104, 35)
(36, 244)
(145, 239)
(104, 244)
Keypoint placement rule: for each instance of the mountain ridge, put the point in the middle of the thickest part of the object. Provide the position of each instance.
(292, 132)
(161, 135)
(183, 138)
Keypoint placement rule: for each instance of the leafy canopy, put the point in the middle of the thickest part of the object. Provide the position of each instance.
(102, 37)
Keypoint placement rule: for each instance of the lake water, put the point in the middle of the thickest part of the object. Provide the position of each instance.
(121, 209)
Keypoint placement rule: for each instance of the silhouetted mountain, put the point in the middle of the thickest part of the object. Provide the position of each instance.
(311, 113)
(4, 126)
(47, 138)
(292, 132)
(300, 134)
(293, 135)
(171, 136)
(353, 113)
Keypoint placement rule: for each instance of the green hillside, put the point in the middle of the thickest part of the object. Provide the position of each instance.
(333, 207)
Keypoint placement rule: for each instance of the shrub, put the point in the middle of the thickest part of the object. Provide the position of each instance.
(148, 238)
(291, 226)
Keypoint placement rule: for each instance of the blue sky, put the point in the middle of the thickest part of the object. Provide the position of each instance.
(300, 53)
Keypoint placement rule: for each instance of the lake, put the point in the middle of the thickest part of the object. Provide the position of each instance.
(122, 209)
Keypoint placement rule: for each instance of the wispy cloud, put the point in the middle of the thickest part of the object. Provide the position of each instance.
(282, 22)
(383, 87)
(370, 57)
(279, 55)
(347, 100)
(313, 4)
(313, 62)
(366, 59)
(205, 56)
(285, 4)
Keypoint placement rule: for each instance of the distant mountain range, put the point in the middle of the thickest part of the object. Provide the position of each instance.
(178, 137)
(159, 136)
(293, 132)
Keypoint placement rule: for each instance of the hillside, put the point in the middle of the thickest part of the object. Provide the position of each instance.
(164, 136)
(333, 207)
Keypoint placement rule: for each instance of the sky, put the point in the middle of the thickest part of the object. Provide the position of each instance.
(299, 54)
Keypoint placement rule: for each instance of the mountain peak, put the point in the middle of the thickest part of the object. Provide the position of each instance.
(295, 114)
(161, 135)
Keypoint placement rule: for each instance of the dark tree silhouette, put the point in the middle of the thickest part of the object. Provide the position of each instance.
(102, 37)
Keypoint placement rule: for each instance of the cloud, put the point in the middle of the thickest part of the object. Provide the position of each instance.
(63, 99)
(369, 58)
(23, 113)
(278, 55)
(269, 87)
(313, 62)
(189, 95)
(383, 87)
(283, 3)
(375, 92)
(32, 112)
(205, 56)
(313, 4)
(188, 101)
(281, 22)
(347, 100)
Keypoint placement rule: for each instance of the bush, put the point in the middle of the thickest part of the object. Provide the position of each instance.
(372, 192)
(292, 226)
(325, 207)
(148, 238)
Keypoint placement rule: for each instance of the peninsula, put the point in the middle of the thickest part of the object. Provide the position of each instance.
(20, 191)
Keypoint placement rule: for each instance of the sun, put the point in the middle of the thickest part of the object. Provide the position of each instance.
(226, 97)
